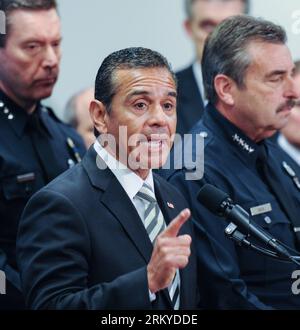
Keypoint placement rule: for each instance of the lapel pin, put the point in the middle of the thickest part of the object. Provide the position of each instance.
(170, 205)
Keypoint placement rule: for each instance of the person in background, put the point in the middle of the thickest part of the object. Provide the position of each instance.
(77, 115)
(35, 145)
(202, 16)
(289, 139)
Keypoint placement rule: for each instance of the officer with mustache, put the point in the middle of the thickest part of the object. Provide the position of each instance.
(248, 74)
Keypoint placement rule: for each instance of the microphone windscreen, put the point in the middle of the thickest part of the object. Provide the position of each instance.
(212, 197)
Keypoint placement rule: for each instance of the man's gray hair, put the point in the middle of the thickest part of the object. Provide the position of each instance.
(188, 7)
(226, 49)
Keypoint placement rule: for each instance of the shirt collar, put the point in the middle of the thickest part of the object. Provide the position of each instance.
(16, 116)
(197, 70)
(244, 147)
(130, 181)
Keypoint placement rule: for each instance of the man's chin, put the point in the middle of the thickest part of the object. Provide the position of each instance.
(283, 122)
(43, 94)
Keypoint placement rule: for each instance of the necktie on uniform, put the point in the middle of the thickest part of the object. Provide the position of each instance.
(41, 143)
(154, 223)
(272, 180)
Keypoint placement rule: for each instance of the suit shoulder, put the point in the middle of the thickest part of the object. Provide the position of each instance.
(70, 183)
(184, 72)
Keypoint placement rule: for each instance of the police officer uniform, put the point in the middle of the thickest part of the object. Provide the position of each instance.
(28, 161)
(233, 277)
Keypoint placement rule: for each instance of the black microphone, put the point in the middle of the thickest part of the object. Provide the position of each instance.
(219, 203)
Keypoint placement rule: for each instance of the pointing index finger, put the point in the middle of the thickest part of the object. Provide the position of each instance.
(173, 228)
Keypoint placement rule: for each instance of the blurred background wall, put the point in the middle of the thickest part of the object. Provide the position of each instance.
(94, 28)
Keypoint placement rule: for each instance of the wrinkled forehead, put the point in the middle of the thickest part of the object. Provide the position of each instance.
(269, 57)
(217, 8)
(143, 78)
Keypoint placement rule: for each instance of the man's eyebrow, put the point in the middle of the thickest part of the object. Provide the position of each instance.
(173, 94)
(137, 93)
(276, 73)
(143, 92)
(39, 40)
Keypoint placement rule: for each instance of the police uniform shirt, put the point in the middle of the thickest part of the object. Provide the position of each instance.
(290, 149)
(21, 171)
(233, 276)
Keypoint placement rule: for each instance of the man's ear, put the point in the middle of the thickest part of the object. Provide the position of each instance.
(224, 87)
(99, 116)
(188, 27)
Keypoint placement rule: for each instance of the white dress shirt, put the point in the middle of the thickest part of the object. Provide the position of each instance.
(199, 79)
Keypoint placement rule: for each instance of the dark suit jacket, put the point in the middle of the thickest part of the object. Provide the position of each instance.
(190, 105)
(82, 244)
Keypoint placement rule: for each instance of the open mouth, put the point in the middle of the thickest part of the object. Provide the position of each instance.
(153, 145)
(155, 142)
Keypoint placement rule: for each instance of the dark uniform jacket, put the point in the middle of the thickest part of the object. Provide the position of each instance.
(96, 250)
(232, 276)
(189, 101)
(21, 175)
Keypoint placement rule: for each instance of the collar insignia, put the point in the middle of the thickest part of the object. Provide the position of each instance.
(242, 143)
(6, 111)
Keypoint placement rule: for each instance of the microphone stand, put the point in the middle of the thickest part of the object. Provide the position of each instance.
(241, 240)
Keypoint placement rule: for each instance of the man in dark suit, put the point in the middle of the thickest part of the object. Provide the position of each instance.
(202, 18)
(101, 236)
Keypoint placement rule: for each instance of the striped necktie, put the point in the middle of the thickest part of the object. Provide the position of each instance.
(154, 223)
